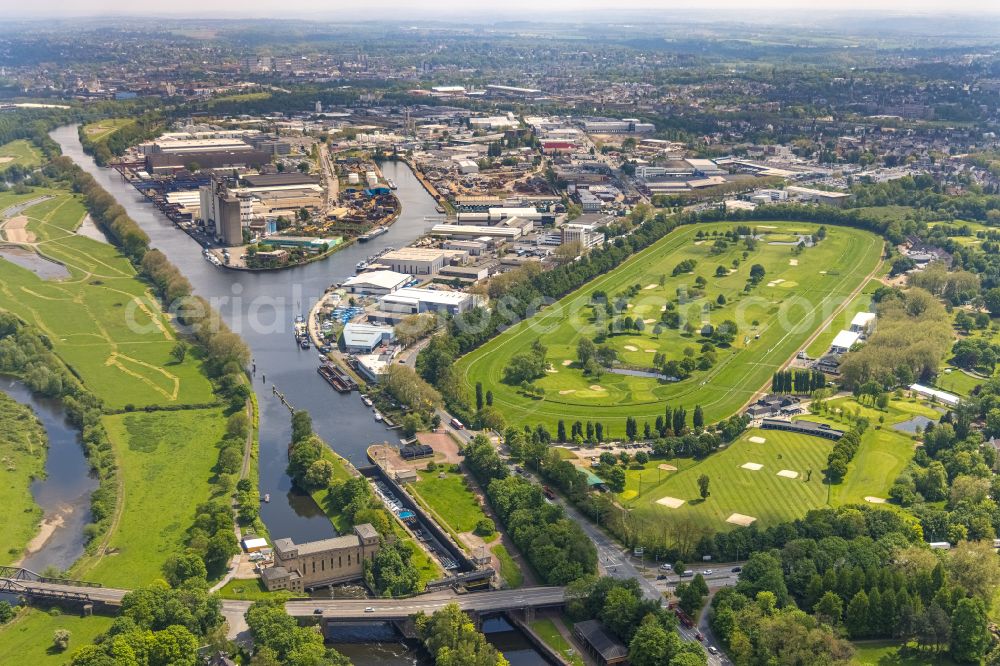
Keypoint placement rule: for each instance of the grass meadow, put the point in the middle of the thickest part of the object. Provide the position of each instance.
(103, 321)
(20, 152)
(23, 448)
(28, 639)
(166, 459)
(797, 295)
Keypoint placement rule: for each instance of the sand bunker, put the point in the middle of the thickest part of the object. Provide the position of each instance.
(596, 387)
(631, 348)
(740, 519)
(649, 321)
(566, 391)
(651, 286)
(4, 160)
(779, 280)
(822, 272)
(788, 474)
(671, 502)
(649, 351)
(772, 284)
(757, 440)
(875, 500)
(793, 262)
(551, 371)
(765, 226)
(15, 230)
(699, 242)
(666, 468)
(753, 467)
(663, 308)
(567, 362)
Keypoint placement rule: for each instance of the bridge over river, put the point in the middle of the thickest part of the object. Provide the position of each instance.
(33, 587)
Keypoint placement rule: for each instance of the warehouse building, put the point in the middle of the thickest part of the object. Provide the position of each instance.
(474, 231)
(410, 301)
(376, 283)
(415, 260)
(366, 338)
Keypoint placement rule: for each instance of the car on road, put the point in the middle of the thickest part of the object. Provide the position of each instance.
(369, 609)
(687, 574)
(737, 569)
(318, 611)
(708, 572)
(665, 567)
(713, 649)
(661, 577)
(699, 636)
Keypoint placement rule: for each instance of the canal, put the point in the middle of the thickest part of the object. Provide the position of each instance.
(261, 307)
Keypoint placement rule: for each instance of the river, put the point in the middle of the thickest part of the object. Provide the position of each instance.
(261, 308)
(64, 492)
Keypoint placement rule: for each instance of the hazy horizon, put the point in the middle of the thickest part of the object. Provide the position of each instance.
(524, 9)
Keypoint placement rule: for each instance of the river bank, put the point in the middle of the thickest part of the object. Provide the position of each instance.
(62, 491)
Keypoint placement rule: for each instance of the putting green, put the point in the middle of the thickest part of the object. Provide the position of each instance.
(786, 315)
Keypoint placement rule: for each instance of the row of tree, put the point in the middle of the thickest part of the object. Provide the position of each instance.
(556, 547)
(797, 381)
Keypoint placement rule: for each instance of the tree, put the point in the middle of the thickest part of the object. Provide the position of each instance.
(479, 395)
(60, 639)
(703, 481)
(616, 479)
(319, 474)
(181, 568)
(649, 646)
(970, 637)
(698, 420)
(452, 640)
(991, 299)
(857, 615)
(757, 273)
(179, 351)
(829, 608)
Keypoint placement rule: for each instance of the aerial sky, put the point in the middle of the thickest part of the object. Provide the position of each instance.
(525, 9)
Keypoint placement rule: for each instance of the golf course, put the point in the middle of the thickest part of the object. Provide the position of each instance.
(702, 280)
(767, 477)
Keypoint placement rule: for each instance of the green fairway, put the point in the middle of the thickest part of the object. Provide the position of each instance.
(166, 461)
(28, 639)
(798, 293)
(450, 498)
(884, 451)
(102, 320)
(20, 152)
(887, 653)
(102, 129)
(957, 382)
(23, 446)
(760, 494)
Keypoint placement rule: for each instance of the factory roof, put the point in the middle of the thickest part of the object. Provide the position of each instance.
(947, 398)
(428, 296)
(272, 179)
(378, 280)
(365, 335)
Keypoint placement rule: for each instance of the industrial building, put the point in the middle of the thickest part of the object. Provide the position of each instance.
(302, 567)
(376, 283)
(474, 231)
(410, 301)
(173, 155)
(416, 260)
(625, 126)
(584, 234)
(836, 199)
(365, 338)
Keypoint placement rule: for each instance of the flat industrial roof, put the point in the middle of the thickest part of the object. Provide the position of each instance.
(845, 339)
(378, 279)
(428, 295)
